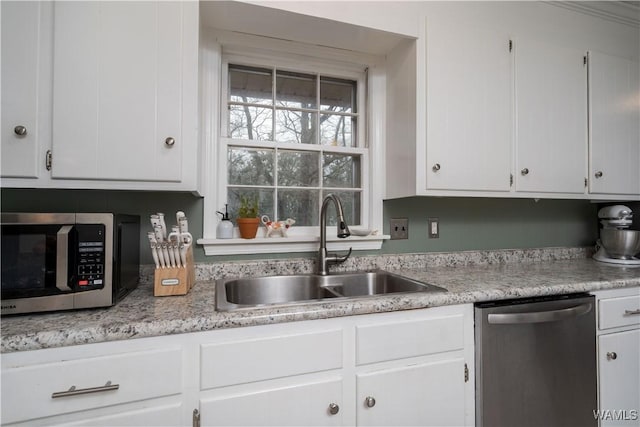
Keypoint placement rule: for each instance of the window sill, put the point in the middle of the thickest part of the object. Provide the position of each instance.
(265, 245)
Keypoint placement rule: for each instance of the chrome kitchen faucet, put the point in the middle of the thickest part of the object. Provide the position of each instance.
(343, 231)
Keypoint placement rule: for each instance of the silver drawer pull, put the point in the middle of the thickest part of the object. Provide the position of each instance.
(632, 312)
(75, 392)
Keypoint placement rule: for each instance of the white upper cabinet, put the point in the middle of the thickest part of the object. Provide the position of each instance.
(535, 121)
(469, 108)
(107, 93)
(118, 90)
(614, 108)
(551, 123)
(25, 87)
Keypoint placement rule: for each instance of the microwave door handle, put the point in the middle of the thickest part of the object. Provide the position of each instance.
(62, 257)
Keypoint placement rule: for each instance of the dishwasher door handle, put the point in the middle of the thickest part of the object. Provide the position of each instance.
(539, 316)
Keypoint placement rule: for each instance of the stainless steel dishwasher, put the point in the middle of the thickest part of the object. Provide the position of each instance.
(536, 362)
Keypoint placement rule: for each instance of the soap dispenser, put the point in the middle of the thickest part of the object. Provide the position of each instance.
(225, 227)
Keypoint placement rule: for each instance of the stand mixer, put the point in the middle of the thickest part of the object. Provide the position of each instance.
(617, 244)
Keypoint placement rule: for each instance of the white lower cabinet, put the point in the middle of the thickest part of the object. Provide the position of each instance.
(121, 383)
(619, 357)
(307, 404)
(424, 394)
(400, 368)
(164, 415)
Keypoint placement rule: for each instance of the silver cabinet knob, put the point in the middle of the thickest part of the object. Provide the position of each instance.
(436, 167)
(370, 402)
(524, 171)
(333, 408)
(612, 355)
(20, 130)
(599, 174)
(170, 141)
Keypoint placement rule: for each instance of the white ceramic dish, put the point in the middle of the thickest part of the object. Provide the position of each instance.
(359, 231)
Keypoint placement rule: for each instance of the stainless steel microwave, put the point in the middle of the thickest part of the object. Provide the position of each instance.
(64, 261)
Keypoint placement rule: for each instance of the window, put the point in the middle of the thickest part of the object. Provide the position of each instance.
(288, 123)
(292, 137)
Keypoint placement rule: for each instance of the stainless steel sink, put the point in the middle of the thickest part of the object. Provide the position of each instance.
(233, 294)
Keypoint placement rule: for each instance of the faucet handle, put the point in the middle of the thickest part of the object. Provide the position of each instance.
(340, 259)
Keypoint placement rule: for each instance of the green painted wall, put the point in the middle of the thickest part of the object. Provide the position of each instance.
(484, 223)
(465, 223)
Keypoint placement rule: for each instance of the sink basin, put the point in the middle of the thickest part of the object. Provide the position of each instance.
(374, 283)
(233, 294)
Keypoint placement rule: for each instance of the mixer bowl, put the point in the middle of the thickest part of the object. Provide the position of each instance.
(620, 244)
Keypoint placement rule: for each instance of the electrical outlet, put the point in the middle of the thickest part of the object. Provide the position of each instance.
(399, 228)
(433, 228)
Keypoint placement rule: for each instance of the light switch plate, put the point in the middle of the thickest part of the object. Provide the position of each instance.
(433, 228)
(399, 228)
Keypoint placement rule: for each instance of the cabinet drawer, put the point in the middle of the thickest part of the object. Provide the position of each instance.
(27, 392)
(390, 341)
(260, 359)
(615, 312)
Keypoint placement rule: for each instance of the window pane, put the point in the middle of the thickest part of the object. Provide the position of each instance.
(252, 85)
(246, 122)
(248, 166)
(301, 205)
(296, 127)
(265, 200)
(337, 95)
(295, 90)
(351, 207)
(337, 130)
(298, 168)
(339, 170)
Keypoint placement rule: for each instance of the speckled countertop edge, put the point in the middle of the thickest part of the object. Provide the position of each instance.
(469, 277)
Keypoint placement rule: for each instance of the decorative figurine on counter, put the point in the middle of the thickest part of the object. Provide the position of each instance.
(274, 227)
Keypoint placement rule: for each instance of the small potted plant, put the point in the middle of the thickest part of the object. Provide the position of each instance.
(247, 219)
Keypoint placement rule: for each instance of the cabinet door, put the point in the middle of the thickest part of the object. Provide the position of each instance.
(614, 105)
(427, 394)
(619, 377)
(551, 126)
(25, 79)
(469, 108)
(117, 90)
(296, 405)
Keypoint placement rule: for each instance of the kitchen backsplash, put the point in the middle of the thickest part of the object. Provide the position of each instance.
(227, 269)
(465, 223)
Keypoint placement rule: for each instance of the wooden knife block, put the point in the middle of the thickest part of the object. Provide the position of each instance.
(175, 281)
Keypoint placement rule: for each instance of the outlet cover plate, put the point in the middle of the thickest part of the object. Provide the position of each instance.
(399, 228)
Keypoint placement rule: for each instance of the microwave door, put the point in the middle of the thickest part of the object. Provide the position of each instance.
(36, 260)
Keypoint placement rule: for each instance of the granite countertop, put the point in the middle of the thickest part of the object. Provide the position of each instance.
(141, 314)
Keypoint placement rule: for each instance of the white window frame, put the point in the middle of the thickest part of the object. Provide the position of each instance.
(218, 50)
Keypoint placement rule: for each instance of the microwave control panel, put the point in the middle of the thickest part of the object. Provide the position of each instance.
(90, 257)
